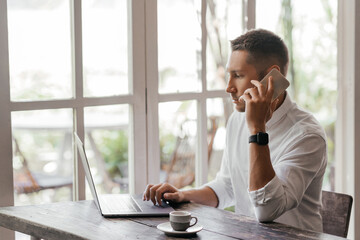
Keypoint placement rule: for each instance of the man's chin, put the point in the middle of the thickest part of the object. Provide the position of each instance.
(240, 107)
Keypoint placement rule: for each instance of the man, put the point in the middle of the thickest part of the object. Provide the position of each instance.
(277, 178)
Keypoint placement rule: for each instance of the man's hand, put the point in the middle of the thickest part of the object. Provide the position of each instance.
(259, 107)
(163, 190)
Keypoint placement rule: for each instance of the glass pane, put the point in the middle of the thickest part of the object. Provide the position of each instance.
(216, 134)
(224, 23)
(105, 48)
(309, 33)
(43, 156)
(106, 144)
(39, 50)
(177, 133)
(179, 46)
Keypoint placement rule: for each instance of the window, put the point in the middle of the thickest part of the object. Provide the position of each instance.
(54, 91)
(105, 56)
(39, 50)
(67, 72)
(143, 83)
(192, 104)
(40, 70)
(311, 37)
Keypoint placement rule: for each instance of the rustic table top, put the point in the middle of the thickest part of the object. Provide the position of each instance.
(82, 220)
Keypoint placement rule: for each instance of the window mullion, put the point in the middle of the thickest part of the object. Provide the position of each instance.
(347, 129)
(77, 78)
(6, 167)
(249, 14)
(201, 166)
(137, 76)
(152, 86)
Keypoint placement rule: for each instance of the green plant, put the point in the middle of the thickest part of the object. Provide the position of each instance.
(167, 146)
(114, 149)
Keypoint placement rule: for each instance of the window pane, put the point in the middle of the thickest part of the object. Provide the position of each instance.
(179, 46)
(178, 132)
(216, 134)
(106, 144)
(43, 156)
(310, 34)
(39, 50)
(224, 23)
(105, 48)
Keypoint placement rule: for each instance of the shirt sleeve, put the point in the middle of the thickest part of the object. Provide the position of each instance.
(222, 184)
(294, 172)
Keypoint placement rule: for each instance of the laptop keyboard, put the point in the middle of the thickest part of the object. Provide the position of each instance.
(116, 203)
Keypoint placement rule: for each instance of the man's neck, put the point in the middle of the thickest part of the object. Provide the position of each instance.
(281, 100)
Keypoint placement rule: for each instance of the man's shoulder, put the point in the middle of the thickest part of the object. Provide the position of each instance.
(305, 123)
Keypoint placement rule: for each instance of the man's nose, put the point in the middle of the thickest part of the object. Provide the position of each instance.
(230, 88)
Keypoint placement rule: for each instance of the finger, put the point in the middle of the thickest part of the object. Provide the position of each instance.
(270, 90)
(259, 86)
(245, 97)
(159, 193)
(172, 196)
(147, 192)
(153, 192)
(253, 92)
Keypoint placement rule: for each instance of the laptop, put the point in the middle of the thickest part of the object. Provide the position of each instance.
(119, 205)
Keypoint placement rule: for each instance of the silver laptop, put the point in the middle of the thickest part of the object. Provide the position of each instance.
(119, 205)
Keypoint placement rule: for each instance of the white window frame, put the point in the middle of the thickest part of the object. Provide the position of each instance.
(136, 101)
(6, 175)
(143, 50)
(347, 131)
(154, 98)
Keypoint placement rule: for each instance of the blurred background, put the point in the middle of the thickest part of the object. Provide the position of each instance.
(41, 70)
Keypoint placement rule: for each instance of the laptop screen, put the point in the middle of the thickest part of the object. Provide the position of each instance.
(85, 163)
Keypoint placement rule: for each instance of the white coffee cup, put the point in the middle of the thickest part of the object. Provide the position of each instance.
(180, 220)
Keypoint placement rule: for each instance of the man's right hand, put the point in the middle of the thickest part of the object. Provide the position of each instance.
(163, 190)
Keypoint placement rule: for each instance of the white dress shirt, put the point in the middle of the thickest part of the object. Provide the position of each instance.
(298, 154)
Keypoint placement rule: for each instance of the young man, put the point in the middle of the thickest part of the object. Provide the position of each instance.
(279, 177)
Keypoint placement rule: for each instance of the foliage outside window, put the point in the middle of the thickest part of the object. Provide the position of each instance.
(310, 34)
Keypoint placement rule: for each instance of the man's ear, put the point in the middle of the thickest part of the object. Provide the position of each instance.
(272, 67)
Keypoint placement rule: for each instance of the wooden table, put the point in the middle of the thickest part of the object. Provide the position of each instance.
(82, 220)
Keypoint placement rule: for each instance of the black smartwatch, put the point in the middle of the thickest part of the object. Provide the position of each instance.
(260, 138)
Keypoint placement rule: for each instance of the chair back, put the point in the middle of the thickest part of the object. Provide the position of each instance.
(27, 181)
(181, 170)
(335, 212)
(24, 181)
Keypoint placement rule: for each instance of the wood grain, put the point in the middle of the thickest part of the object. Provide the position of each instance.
(82, 220)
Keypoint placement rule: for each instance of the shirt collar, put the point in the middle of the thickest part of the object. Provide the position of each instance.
(281, 111)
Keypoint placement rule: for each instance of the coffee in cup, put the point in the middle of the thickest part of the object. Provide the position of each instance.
(180, 220)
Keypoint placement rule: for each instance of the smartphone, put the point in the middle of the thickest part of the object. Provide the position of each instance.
(280, 83)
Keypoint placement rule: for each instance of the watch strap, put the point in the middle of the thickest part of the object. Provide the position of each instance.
(253, 139)
(260, 138)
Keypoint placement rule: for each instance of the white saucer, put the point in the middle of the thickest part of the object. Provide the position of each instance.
(167, 229)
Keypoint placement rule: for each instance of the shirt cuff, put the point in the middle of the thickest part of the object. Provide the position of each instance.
(271, 190)
(219, 190)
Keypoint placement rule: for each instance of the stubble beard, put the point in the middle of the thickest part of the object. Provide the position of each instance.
(240, 107)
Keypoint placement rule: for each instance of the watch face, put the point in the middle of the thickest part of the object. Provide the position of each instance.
(262, 138)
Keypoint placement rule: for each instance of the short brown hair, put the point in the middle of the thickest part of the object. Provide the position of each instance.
(264, 48)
